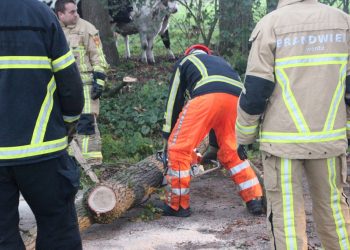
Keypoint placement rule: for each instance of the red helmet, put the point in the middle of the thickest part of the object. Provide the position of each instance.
(198, 46)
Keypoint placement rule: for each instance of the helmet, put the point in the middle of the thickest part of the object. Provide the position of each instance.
(199, 47)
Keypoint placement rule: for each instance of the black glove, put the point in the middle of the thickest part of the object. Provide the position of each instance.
(242, 152)
(96, 91)
(71, 130)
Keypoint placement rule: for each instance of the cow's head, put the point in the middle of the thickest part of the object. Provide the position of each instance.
(171, 5)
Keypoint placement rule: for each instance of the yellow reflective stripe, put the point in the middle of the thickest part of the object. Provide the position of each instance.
(44, 114)
(87, 100)
(246, 130)
(171, 101)
(63, 61)
(92, 155)
(85, 144)
(99, 69)
(288, 204)
(291, 103)
(100, 82)
(336, 100)
(70, 119)
(348, 125)
(198, 63)
(335, 200)
(324, 136)
(25, 62)
(218, 78)
(7, 153)
(82, 66)
(311, 60)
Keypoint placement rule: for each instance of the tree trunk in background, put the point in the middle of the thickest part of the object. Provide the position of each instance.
(271, 5)
(236, 23)
(95, 12)
(346, 6)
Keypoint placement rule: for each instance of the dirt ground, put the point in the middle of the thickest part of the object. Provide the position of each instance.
(219, 220)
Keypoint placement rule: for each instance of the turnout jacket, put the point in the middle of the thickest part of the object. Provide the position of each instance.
(297, 82)
(194, 75)
(40, 86)
(86, 45)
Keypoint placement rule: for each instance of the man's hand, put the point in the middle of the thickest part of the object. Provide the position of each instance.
(242, 152)
(96, 91)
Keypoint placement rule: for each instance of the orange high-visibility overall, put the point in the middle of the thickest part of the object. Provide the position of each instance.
(217, 111)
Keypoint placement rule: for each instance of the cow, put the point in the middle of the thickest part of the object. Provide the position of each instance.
(148, 19)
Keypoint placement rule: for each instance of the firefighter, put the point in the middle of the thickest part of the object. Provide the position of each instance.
(86, 45)
(297, 77)
(41, 98)
(212, 88)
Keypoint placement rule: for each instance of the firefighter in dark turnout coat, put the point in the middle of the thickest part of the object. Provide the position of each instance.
(40, 97)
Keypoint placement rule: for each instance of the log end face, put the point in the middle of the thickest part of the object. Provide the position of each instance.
(102, 199)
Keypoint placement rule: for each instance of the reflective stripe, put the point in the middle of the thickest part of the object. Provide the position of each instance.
(218, 78)
(85, 144)
(198, 63)
(25, 62)
(303, 137)
(100, 82)
(63, 61)
(335, 200)
(180, 191)
(246, 130)
(95, 154)
(248, 184)
(315, 60)
(44, 114)
(180, 121)
(87, 100)
(336, 100)
(178, 173)
(7, 153)
(288, 204)
(171, 101)
(290, 102)
(348, 125)
(239, 168)
(98, 68)
(70, 119)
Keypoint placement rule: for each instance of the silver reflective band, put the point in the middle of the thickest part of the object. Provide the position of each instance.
(11, 62)
(291, 62)
(179, 174)
(239, 167)
(33, 150)
(249, 184)
(180, 191)
(63, 62)
(303, 138)
(246, 130)
(218, 78)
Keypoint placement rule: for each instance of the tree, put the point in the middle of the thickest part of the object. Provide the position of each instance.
(205, 15)
(95, 12)
(271, 5)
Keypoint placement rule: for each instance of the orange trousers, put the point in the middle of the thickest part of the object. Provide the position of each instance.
(216, 111)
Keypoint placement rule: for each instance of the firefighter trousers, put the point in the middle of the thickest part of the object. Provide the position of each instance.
(88, 135)
(283, 179)
(49, 187)
(217, 111)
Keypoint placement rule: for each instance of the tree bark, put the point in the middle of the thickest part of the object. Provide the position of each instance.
(96, 12)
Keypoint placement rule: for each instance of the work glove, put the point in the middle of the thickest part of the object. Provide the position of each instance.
(71, 130)
(242, 152)
(96, 91)
(97, 85)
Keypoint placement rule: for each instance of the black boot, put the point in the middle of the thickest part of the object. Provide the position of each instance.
(168, 211)
(255, 206)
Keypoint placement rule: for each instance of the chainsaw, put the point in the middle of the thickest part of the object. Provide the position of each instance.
(195, 171)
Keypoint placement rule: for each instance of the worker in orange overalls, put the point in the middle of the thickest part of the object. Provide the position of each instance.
(210, 88)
